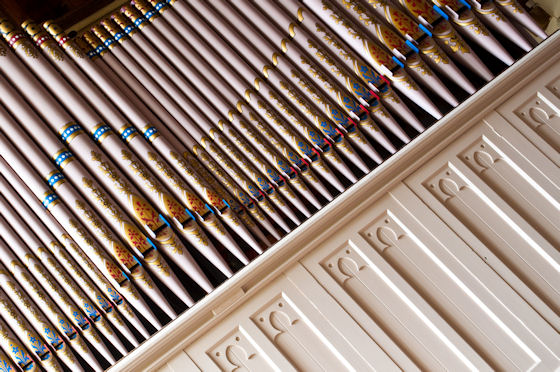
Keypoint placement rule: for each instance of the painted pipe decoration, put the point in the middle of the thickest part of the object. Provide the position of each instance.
(177, 110)
(40, 215)
(195, 103)
(327, 48)
(15, 270)
(167, 145)
(330, 135)
(421, 38)
(55, 179)
(352, 156)
(289, 91)
(469, 24)
(437, 22)
(85, 315)
(100, 165)
(143, 149)
(286, 174)
(18, 353)
(405, 53)
(234, 196)
(14, 319)
(5, 362)
(60, 343)
(128, 262)
(302, 146)
(493, 17)
(100, 305)
(515, 11)
(374, 53)
(111, 65)
(166, 72)
(358, 100)
(71, 313)
(291, 158)
(77, 231)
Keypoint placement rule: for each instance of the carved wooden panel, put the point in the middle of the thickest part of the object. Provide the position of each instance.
(293, 334)
(498, 232)
(542, 116)
(554, 86)
(515, 186)
(236, 352)
(391, 303)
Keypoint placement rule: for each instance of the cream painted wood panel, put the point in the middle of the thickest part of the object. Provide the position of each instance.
(445, 257)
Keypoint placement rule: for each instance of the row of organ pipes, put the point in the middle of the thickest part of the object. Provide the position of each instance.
(147, 159)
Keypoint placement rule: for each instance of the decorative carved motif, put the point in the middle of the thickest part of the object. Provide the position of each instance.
(515, 187)
(236, 353)
(543, 118)
(283, 324)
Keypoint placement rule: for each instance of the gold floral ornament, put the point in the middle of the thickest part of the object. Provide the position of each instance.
(43, 40)
(17, 39)
(63, 40)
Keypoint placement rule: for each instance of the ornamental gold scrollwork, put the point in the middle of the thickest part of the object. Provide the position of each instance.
(193, 174)
(360, 10)
(212, 223)
(164, 169)
(194, 231)
(491, 11)
(23, 299)
(265, 204)
(416, 63)
(116, 318)
(286, 110)
(167, 238)
(404, 78)
(332, 41)
(433, 51)
(47, 279)
(88, 241)
(292, 94)
(307, 86)
(339, 19)
(512, 4)
(141, 172)
(140, 275)
(215, 169)
(93, 221)
(237, 156)
(310, 175)
(317, 74)
(103, 200)
(230, 216)
(108, 170)
(474, 25)
(445, 32)
(93, 335)
(41, 295)
(344, 146)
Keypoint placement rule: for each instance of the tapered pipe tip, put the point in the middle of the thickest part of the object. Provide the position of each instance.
(289, 194)
(194, 235)
(235, 224)
(433, 83)
(297, 183)
(319, 167)
(263, 221)
(408, 87)
(342, 168)
(273, 213)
